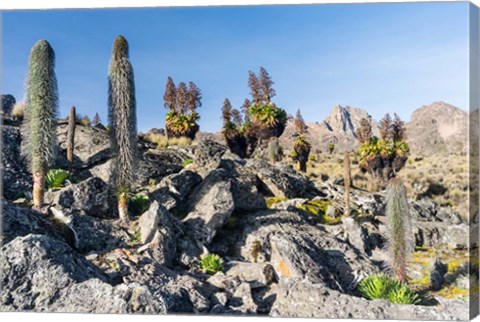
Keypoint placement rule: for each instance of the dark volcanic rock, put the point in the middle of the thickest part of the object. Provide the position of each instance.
(298, 298)
(16, 179)
(7, 102)
(17, 222)
(207, 156)
(212, 204)
(281, 180)
(42, 274)
(92, 197)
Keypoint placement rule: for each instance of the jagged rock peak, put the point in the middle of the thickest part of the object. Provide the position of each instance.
(345, 119)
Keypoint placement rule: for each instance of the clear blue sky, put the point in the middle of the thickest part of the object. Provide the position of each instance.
(381, 57)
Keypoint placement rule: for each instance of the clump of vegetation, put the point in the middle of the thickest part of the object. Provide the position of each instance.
(180, 141)
(41, 112)
(381, 287)
(56, 178)
(274, 200)
(96, 120)
(138, 204)
(212, 263)
(301, 147)
(233, 129)
(135, 238)
(18, 110)
(123, 121)
(182, 102)
(83, 120)
(262, 119)
(318, 208)
(383, 158)
(186, 162)
(400, 243)
(331, 148)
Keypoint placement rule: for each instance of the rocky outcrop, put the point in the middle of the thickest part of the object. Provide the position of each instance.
(212, 204)
(42, 274)
(315, 300)
(438, 128)
(207, 156)
(6, 103)
(19, 222)
(281, 180)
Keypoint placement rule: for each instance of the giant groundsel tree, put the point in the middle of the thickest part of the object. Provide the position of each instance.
(123, 122)
(41, 112)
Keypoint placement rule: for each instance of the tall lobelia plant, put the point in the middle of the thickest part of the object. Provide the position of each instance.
(71, 137)
(123, 122)
(400, 243)
(41, 112)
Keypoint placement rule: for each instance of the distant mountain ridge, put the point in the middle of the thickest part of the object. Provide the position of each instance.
(436, 128)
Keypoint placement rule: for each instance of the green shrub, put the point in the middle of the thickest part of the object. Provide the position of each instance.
(212, 263)
(385, 288)
(138, 204)
(186, 162)
(56, 178)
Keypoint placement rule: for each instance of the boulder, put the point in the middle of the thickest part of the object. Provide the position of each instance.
(160, 230)
(245, 185)
(256, 274)
(207, 156)
(92, 197)
(6, 103)
(180, 184)
(298, 298)
(42, 274)
(19, 222)
(212, 204)
(164, 198)
(91, 150)
(158, 163)
(296, 246)
(88, 233)
(437, 234)
(242, 300)
(281, 180)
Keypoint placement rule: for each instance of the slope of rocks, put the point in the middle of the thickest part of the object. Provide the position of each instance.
(279, 261)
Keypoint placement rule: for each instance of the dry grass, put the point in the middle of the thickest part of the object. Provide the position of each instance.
(162, 142)
(18, 110)
(442, 178)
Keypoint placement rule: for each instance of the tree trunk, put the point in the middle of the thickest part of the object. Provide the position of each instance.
(123, 208)
(38, 189)
(71, 138)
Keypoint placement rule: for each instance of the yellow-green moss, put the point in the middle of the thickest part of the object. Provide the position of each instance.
(274, 200)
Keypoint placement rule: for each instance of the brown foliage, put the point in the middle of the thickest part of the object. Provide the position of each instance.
(364, 131)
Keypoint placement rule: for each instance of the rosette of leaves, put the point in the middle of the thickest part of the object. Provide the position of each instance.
(270, 120)
(179, 124)
(382, 287)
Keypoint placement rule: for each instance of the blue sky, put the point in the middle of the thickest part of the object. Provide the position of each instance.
(381, 57)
